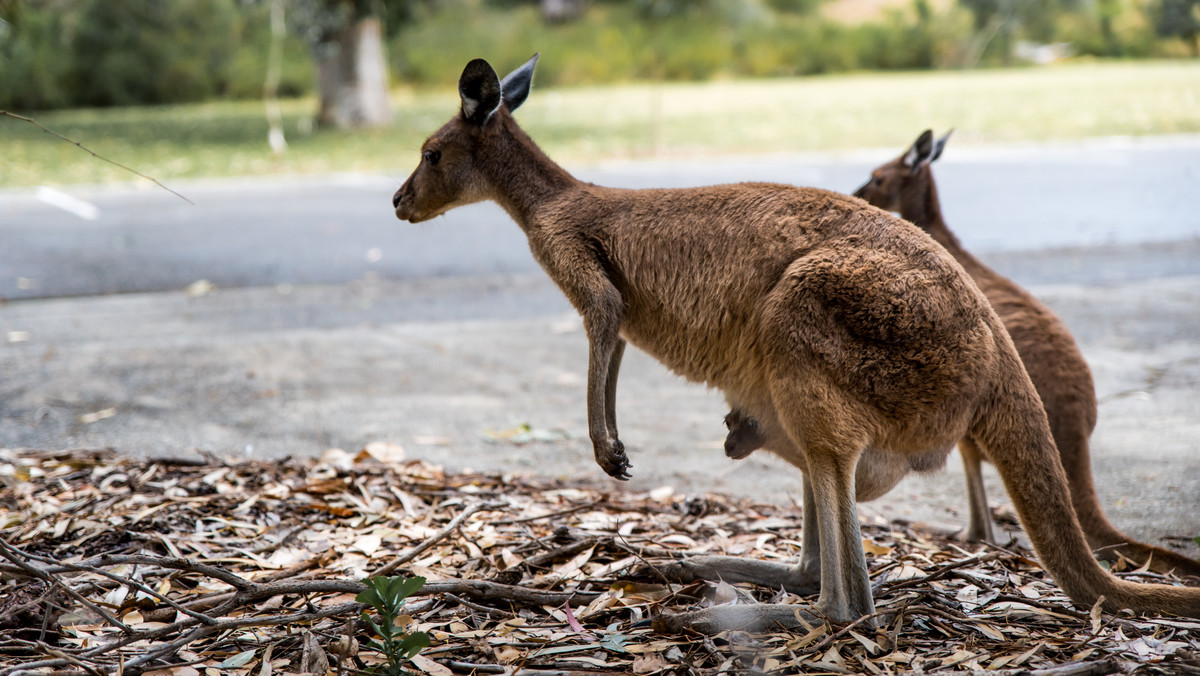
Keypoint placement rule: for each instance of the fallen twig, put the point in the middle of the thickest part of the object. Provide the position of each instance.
(424, 546)
(944, 570)
(209, 590)
(15, 555)
(551, 515)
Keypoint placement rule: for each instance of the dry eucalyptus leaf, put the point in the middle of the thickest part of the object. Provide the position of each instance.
(303, 532)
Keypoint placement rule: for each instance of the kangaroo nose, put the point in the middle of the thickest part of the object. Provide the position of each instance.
(396, 200)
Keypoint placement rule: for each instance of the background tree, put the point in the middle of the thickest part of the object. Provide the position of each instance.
(131, 51)
(1180, 18)
(35, 59)
(562, 10)
(1001, 22)
(69, 53)
(1106, 13)
(347, 40)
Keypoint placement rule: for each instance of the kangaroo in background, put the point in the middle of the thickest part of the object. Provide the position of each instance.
(1053, 360)
(848, 335)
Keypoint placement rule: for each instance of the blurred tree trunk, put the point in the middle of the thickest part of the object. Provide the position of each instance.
(275, 136)
(352, 77)
(559, 11)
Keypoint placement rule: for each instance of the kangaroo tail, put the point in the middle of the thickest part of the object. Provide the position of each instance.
(1011, 425)
(1161, 560)
(1103, 537)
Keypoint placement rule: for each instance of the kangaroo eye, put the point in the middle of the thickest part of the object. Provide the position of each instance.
(878, 180)
(431, 156)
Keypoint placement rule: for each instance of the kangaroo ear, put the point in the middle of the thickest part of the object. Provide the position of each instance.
(940, 146)
(479, 88)
(515, 85)
(918, 155)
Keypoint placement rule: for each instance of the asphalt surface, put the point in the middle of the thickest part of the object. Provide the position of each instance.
(333, 325)
(333, 229)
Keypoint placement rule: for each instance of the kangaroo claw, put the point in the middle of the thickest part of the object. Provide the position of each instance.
(613, 460)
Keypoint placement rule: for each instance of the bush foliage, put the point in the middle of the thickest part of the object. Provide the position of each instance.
(64, 53)
(71, 53)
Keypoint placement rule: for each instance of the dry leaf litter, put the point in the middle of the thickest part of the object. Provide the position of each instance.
(111, 564)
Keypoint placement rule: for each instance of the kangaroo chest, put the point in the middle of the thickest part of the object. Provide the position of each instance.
(691, 305)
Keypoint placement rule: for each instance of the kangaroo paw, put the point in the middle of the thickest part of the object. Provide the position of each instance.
(612, 459)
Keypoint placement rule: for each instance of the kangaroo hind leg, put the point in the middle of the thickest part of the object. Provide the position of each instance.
(980, 525)
(825, 429)
(802, 578)
(845, 585)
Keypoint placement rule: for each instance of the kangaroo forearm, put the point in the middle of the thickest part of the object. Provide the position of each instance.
(610, 390)
(604, 344)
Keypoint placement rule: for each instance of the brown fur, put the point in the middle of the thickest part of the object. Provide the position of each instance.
(845, 332)
(1051, 357)
(744, 436)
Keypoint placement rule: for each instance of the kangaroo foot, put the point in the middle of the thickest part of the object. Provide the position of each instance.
(610, 455)
(734, 569)
(757, 617)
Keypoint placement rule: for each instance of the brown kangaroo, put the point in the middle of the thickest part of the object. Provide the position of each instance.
(1051, 357)
(849, 335)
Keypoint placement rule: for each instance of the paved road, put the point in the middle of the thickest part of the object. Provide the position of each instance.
(452, 334)
(259, 232)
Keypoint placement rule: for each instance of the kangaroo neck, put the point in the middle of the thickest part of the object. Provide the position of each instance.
(522, 177)
(922, 208)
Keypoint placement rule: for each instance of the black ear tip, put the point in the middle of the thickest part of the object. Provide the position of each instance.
(479, 70)
(478, 67)
(479, 79)
(479, 88)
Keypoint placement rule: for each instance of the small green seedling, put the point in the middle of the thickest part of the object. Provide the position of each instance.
(387, 595)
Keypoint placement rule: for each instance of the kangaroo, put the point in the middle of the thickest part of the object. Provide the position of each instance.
(1053, 360)
(745, 436)
(846, 333)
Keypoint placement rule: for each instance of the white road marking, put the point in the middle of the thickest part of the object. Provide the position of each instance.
(73, 205)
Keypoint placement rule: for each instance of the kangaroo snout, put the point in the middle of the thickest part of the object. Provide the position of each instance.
(403, 203)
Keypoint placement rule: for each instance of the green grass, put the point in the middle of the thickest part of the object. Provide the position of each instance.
(580, 125)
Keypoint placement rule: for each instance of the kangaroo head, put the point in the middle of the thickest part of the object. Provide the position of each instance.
(450, 174)
(745, 435)
(890, 182)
